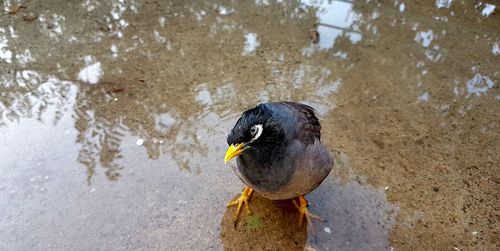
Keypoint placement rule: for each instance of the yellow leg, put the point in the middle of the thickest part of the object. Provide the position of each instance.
(242, 200)
(304, 212)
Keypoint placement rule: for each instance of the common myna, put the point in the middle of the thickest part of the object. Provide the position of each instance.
(279, 154)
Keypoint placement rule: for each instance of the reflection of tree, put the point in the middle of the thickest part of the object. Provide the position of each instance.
(99, 138)
(102, 122)
(151, 78)
(28, 93)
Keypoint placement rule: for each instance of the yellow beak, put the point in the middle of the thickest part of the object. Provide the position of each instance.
(233, 151)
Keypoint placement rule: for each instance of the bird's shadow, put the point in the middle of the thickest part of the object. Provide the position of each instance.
(357, 217)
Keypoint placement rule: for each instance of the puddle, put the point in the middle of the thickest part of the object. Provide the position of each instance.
(355, 217)
(114, 116)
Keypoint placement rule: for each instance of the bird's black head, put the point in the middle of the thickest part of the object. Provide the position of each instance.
(257, 130)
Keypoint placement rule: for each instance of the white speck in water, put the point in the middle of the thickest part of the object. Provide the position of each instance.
(496, 49)
(204, 97)
(5, 53)
(488, 9)
(340, 54)
(479, 85)
(327, 229)
(12, 32)
(115, 99)
(402, 7)
(262, 2)
(114, 50)
(327, 89)
(92, 71)
(92, 190)
(57, 21)
(386, 188)
(161, 141)
(163, 123)
(424, 97)
(251, 43)
(443, 3)
(139, 142)
(425, 38)
(162, 21)
(223, 11)
(46, 177)
(25, 57)
(123, 23)
(354, 37)
(133, 8)
(474, 233)
(159, 38)
(200, 15)
(32, 179)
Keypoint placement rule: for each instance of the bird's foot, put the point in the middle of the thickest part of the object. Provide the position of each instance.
(304, 212)
(242, 200)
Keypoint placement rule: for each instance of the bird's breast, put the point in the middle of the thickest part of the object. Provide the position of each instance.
(264, 177)
(298, 172)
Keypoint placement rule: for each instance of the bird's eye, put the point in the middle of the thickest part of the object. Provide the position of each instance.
(253, 130)
(256, 131)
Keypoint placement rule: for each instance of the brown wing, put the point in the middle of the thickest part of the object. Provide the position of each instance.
(309, 128)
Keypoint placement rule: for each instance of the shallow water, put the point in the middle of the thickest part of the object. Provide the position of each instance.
(113, 119)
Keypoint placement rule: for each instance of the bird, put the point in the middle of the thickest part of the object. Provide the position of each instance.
(279, 154)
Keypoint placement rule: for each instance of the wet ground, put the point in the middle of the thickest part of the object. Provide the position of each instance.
(113, 118)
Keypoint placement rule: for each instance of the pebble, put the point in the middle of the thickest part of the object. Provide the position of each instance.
(327, 229)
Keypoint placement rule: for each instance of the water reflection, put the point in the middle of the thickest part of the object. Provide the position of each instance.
(5, 53)
(114, 106)
(443, 3)
(425, 38)
(143, 93)
(27, 94)
(488, 9)
(335, 18)
(251, 43)
(496, 49)
(479, 85)
(91, 72)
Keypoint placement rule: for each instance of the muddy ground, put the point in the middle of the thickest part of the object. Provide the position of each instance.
(113, 120)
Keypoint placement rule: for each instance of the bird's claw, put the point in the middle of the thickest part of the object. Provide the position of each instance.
(242, 200)
(304, 212)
